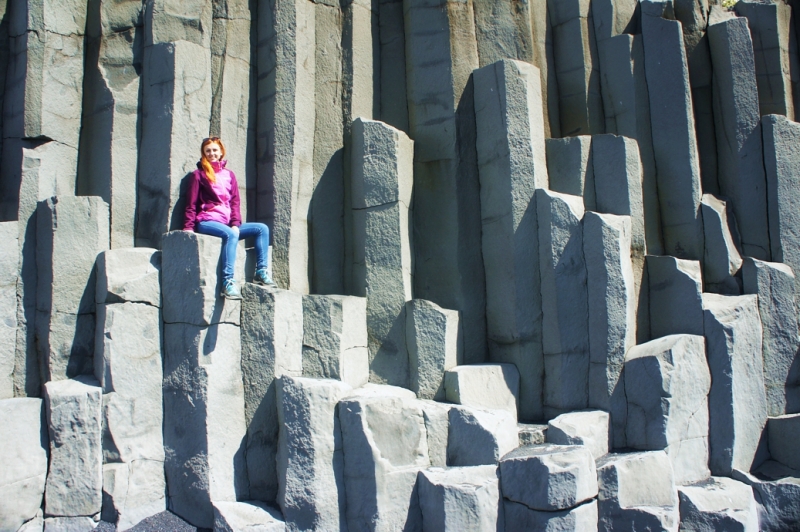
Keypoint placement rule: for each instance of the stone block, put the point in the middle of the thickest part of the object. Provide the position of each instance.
(542, 31)
(774, 284)
(667, 382)
(169, 21)
(272, 346)
(23, 444)
(581, 518)
(503, 30)
(637, 492)
(129, 275)
(437, 428)
(486, 386)
(74, 419)
(65, 343)
(310, 462)
(133, 492)
(335, 338)
(530, 434)
(673, 127)
(434, 341)
(738, 132)
(480, 437)
(460, 498)
(589, 428)
(132, 427)
(612, 313)
(778, 504)
(614, 17)
(9, 233)
(394, 106)
(191, 279)
(676, 296)
(722, 258)
(382, 164)
(511, 164)
(570, 169)
(565, 308)
(247, 515)
(204, 423)
(737, 402)
(566, 473)
(718, 503)
(34, 525)
(69, 524)
(784, 432)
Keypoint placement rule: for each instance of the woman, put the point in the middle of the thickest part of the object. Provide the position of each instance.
(212, 208)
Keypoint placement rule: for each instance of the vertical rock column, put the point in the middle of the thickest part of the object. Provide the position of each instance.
(434, 341)
(543, 58)
(382, 182)
(441, 53)
(8, 306)
(674, 140)
(512, 164)
(570, 169)
(503, 31)
(394, 104)
(175, 113)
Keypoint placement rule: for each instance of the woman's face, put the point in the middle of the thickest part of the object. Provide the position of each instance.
(213, 152)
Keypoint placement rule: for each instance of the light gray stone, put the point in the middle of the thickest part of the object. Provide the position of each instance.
(576, 67)
(612, 313)
(191, 278)
(69, 524)
(254, 516)
(311, 485)
(737, 401)
(394, 104)
(722, 258)
(23, 444)
(9, 233)
(589, 428)
(778, 504)
(511, 164)
(774, 284)
(382, 179)
(460, 498)
(435, 345)
(673, 127)
(570, 168)
(676, 296)
(204, 423)
(565, 309)
(437, 428)
(272, 346)
(784, 432)
(34, 525)
(567, 476)
(530, 434)
(129, 275)
(612, 18)
(133, 491)
(738, 129)
(335, 338)
(65, 343)
(542, 31)
(132, 426)
(74, 419)
(169, 21)
(480, 437)
(503, 31)
(486, 386)
(581, 518)
(718, 503)
(637, 492)
(667, 382)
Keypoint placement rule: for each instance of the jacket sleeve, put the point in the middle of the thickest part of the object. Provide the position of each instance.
(236, 213)
(190, 213)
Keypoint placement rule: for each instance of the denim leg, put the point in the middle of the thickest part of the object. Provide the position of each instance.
(229, 243)
(261, 234)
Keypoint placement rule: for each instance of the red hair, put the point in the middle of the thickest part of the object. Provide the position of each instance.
(205, 163)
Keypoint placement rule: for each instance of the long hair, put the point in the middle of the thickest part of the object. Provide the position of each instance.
(205, 163)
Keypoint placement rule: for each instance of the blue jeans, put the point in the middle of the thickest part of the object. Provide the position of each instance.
(230, 240)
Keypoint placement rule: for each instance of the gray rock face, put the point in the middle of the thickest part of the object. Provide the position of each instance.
(191, 278)
(774, 284)
(589, 428)
(23, 443)
(718, 503)
(612, 313)
(435, 345)
(480, 437)
(567, 476)
(486, 386)
(69, 524)
(580, 518)
(511, 164)
(722, 259)
(133, 491)
(129, 275)
(737, 401)
(460, 498)
(676, 296)
(437, 427)
(542, 31)
(530, 434)
(382, 178)
(503, 31)
(272, 346)
(75, 476)
(637, 492)
(394, 106)
(738, 128)
(613, 17)
(777, 500)
(9, 233)
(204, 423)
(674, 141)
(570, 168)
(783, 434)
(249, 515)
(71, 231)
(565, 310)
(335, 338)
(311, 489)
(667, 382)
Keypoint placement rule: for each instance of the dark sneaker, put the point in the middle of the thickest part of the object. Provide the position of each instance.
(230, 290)
(262, 277)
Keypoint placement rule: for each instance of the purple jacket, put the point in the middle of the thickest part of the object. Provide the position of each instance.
(200, 192)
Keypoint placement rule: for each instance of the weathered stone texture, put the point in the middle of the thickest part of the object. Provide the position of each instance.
(434, 341)
(589, 428)
(247, 515)
(570, 168)
(503, 31)
(129, 275)
(783, 434)
(581, 518)
(487, 386)
(676, 296)
(543, 58)
(722, 259)
(133, 491)
(9, 233)
(480, 437)
(719, 503)
(460, 498)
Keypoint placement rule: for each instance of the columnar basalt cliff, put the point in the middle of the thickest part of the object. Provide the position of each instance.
(537, 265)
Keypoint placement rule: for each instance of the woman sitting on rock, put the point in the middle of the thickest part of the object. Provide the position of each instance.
(212, 208)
